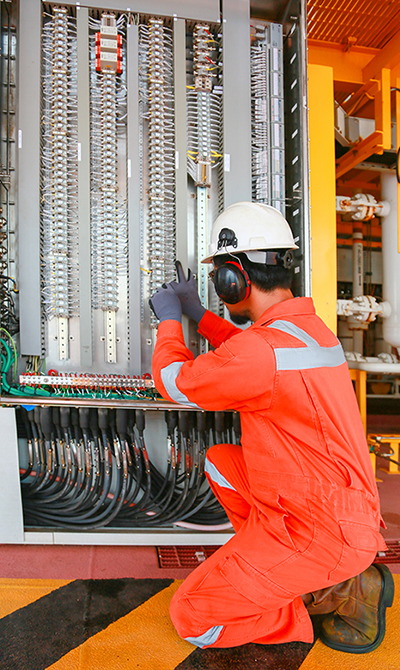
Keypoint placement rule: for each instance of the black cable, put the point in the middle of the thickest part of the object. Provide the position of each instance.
(28, 430)
(81, 456)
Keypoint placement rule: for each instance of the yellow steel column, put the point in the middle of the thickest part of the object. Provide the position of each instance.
(398, 149)
(360, 379)
(322, 191)
(382, 109)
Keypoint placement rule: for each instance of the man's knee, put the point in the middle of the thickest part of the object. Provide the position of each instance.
(181, 614)
(187, 626)
(224, 462)
(221, 455)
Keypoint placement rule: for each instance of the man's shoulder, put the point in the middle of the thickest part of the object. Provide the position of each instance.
(252, 337)
(280, 327)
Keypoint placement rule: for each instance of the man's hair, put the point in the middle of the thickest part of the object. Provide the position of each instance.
(264, 277)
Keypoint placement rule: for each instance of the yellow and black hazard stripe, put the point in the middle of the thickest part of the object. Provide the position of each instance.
(124, 623)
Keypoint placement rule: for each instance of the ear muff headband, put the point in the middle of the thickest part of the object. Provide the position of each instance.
(232, 282)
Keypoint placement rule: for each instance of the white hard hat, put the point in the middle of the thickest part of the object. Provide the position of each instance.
(249, 226)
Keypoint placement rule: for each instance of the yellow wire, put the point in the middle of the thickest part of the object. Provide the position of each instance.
(15, 289)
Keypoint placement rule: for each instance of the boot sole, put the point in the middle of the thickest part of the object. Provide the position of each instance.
(385, 600)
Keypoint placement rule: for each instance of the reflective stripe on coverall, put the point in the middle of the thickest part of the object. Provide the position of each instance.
(300, 491)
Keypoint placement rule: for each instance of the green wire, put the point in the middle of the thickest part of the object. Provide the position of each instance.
(12, 356)
(7, 360)
(6, 363)
(15, 351)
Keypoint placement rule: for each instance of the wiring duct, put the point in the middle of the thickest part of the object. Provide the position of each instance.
(59, 176)
(89, 468)
(156, 114)
(277, 135)
(216, 125)
(108, 203)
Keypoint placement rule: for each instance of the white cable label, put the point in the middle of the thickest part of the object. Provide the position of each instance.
(108, 44)
(129, 168)
(79, 151)
(108, 30)
(19, 138)
(176, 160)
(227, 162)
(104, 55)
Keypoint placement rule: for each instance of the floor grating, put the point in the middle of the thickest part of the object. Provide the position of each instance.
(183, 556)
(191, 556)
(392, 555)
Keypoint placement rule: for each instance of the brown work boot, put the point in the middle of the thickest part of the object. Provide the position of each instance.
(358, 608)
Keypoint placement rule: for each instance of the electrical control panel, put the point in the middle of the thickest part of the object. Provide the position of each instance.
(125, 132)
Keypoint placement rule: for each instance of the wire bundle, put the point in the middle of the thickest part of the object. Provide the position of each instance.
(108, 203)
(3, 246)
(8, 312)
(204, 129)
(9, 357)
(89, 468)
(259, 126)
(267, 118)
(143, 75)
(59, 176)
(156, 114)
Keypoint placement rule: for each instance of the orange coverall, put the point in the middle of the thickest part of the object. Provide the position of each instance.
(300, 490)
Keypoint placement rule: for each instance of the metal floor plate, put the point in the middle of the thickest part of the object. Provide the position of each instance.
(192, 556)
(392, 555)
(183, 556)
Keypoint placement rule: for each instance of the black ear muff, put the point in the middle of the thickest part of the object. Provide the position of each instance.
(232, 282)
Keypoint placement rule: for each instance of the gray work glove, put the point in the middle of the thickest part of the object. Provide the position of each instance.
(166, 304)
(186, 291)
